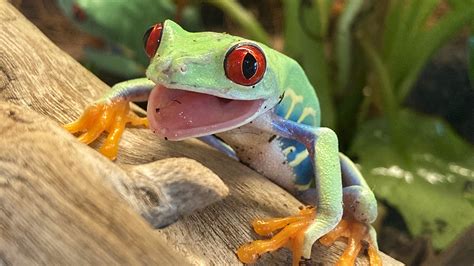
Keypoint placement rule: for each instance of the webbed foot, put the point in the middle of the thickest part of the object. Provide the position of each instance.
(291, 235)
(355, 232)
(109, 117)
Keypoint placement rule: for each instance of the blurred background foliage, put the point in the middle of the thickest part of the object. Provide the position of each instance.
(380, 89)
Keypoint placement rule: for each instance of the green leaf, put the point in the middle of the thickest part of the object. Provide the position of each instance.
(460, 3)
(471, 59)
(429, 180)
(113, 63)
(426, 44)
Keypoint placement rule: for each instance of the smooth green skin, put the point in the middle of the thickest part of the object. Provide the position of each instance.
(194, 62)
(201, 54)
(122, 24)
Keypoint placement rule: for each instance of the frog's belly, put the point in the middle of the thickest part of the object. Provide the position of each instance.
(283, 161)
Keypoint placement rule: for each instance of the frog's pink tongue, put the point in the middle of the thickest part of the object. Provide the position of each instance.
(177, 114)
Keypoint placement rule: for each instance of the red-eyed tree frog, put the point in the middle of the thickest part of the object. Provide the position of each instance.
(261, 104)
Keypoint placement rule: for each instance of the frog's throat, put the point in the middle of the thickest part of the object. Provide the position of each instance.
(177, 114)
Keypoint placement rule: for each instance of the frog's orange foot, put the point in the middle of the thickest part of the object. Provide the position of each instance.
(109, 117)
(356, 233)
(291, 235)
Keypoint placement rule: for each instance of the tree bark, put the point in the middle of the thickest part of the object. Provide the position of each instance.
(61, 201)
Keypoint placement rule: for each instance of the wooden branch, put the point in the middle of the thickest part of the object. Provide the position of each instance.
(50, 214)
(54, 205)
(168, 189)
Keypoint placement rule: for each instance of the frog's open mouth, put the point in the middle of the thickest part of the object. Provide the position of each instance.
(177, 114)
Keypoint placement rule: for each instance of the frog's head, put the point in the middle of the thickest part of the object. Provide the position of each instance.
(207, 82)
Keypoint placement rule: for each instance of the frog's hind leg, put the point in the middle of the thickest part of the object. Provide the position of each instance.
(360, 210)
(359, 200)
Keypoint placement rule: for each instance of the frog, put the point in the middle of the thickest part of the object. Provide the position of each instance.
(254, 103)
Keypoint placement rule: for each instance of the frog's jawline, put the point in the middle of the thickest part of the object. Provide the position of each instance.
(178, 114)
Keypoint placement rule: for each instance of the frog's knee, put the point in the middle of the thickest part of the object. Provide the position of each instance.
(327, 135)
(360, 203)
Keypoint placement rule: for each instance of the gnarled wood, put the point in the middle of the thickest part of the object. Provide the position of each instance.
(168, 189)
(54, 204)
(35, 74)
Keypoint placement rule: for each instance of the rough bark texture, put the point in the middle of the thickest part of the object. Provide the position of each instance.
(168, 189)
(55, 206)
(79, 218)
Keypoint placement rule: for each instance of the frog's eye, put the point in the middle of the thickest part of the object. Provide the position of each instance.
(152, 39)
(245, 64)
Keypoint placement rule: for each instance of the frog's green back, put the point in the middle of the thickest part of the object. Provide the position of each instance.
(300, 103)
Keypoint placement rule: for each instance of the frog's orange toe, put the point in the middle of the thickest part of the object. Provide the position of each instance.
(112, 118)
(374, 257)
(355, 232)
(135, 120)
(291, 235)
(87, 119)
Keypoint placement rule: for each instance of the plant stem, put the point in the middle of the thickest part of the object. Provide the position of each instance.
(390, 103)
(343, 43)
(244, 18)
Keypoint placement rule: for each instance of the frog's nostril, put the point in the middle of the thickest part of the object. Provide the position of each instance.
(166, 69)
(183, 69)
(163, 66)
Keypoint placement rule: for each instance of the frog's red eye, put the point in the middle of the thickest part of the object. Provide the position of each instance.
(78, 13)
(245, 64)
(152, 39)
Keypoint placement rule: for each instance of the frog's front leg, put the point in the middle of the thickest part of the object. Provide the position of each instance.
(302, 230)
(221, 146)
(111, 113)
(360, 210)
(322, 146)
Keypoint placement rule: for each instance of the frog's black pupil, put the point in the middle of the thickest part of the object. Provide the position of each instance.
(146, 36)
(249, 66)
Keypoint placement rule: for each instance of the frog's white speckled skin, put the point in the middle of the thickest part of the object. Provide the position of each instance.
(254, 148)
